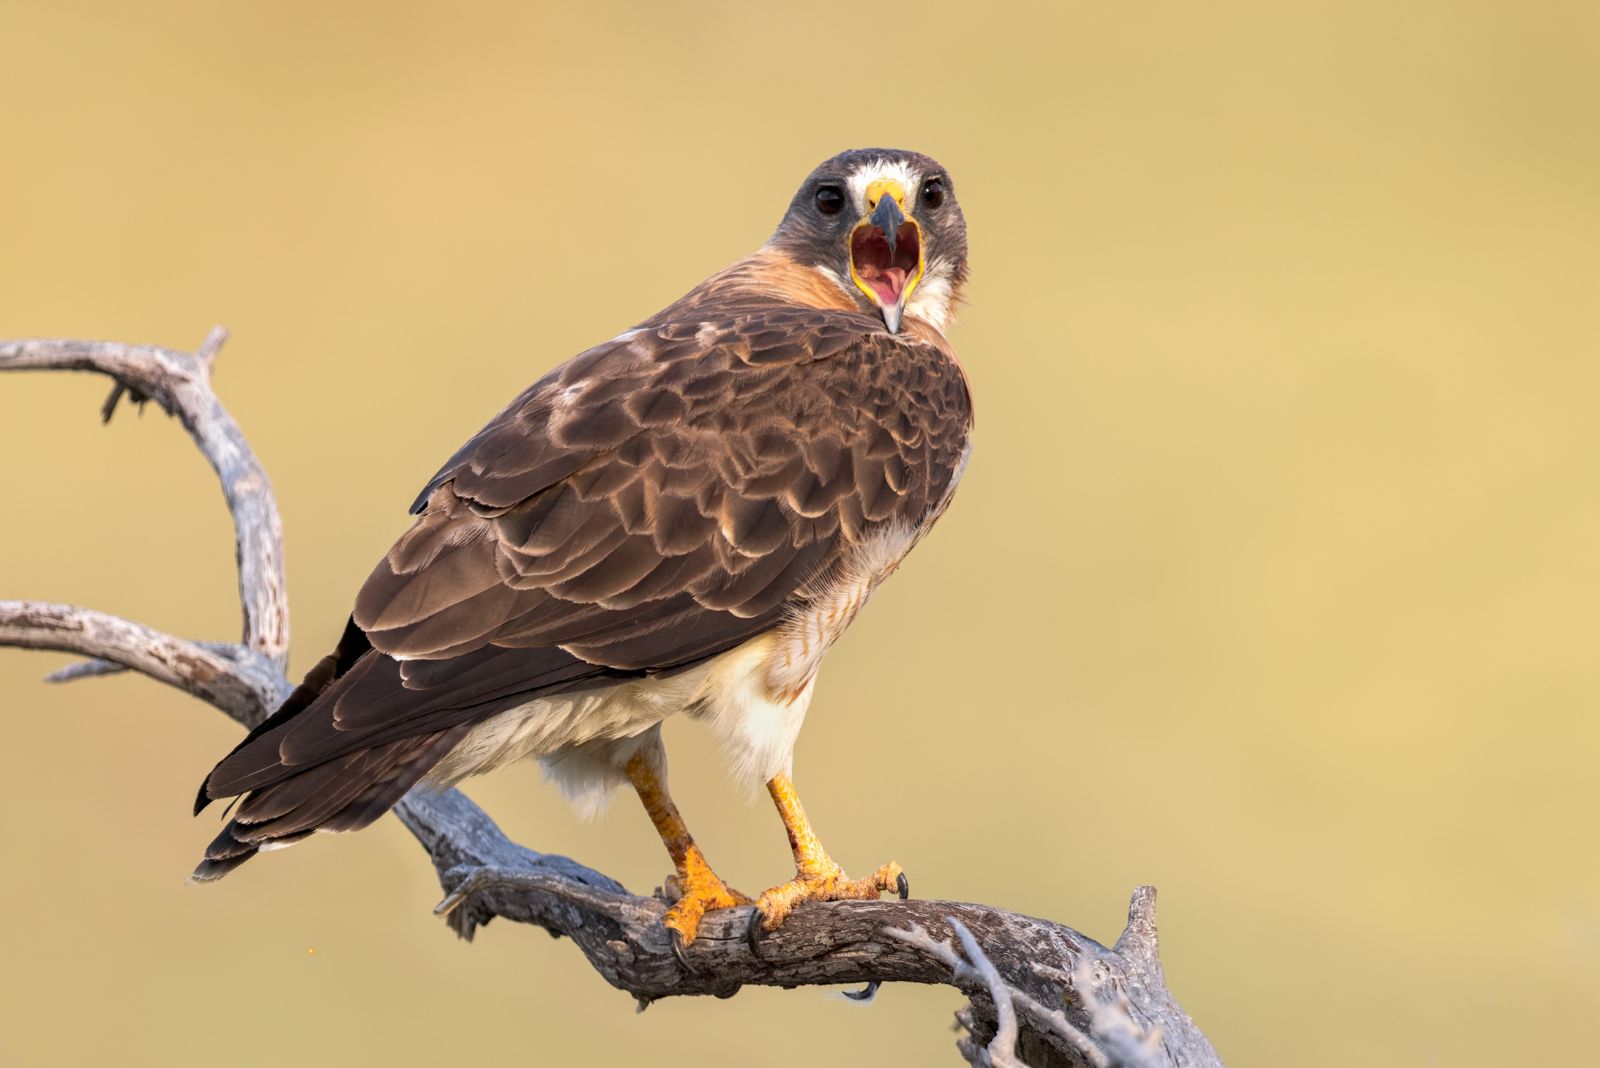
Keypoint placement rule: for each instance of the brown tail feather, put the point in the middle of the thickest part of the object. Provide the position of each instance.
(352, 644)
(342, 795)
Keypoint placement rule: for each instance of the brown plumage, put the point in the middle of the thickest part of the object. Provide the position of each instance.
(665, 498)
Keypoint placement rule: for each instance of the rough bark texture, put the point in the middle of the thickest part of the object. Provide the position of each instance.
(1041, 993)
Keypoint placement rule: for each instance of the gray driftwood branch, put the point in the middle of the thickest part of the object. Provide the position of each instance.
(1040, 993)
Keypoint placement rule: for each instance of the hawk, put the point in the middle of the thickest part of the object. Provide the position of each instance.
(681, 520)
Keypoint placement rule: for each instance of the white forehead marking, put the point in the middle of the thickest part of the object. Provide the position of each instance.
(895, 170)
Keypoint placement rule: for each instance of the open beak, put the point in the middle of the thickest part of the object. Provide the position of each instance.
(886, 252)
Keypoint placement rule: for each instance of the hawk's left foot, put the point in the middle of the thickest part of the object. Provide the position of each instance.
(823, 881)
(817, 877)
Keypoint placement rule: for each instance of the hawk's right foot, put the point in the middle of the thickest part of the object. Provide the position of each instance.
(697, 891)
(694, 889)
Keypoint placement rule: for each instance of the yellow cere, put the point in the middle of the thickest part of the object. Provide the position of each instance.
(877, 189)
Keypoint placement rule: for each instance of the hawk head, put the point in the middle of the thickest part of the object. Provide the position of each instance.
(884, 226)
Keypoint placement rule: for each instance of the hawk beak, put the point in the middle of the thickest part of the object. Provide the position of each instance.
(887, 217)
(886, 252)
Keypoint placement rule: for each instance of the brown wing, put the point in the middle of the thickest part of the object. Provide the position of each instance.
(657, 500)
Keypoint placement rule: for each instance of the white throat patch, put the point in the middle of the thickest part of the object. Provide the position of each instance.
(930, 301)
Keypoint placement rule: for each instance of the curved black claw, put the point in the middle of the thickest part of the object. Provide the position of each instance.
(676, 937)
(752, 932)
(903, 885)
(866, 993)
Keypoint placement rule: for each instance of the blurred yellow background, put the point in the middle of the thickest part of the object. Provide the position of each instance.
(1273, 581)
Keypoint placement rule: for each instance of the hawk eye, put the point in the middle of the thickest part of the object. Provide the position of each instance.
(933, 192)
(829, 199)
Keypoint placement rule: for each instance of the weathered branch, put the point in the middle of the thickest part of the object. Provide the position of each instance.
(246, 687)
(181, 383)
(1041, 993)
(89, 669)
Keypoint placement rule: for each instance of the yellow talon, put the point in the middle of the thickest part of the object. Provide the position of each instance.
(817, 876)
(825, 881)
(697, 891)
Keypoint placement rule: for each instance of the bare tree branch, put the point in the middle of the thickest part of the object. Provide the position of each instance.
(1042, 994)
(181, 383)
(841, 942)
(978, 970)
(245, 689)
(1001, 1050)
(91, 669)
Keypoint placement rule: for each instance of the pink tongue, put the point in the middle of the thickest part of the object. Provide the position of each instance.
(889, 284)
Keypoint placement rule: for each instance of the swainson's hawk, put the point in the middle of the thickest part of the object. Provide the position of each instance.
(680, 520)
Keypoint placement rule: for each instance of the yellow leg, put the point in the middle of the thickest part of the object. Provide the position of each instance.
(698, 887)
(817, 876)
